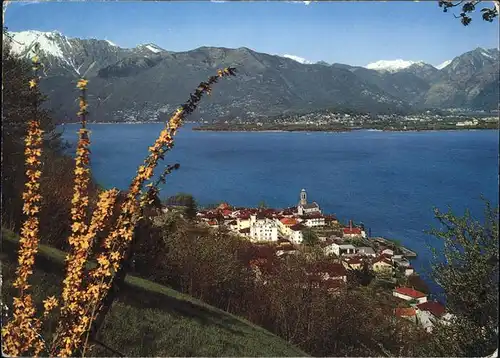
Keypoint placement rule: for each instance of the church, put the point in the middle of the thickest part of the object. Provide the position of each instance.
(304, 208)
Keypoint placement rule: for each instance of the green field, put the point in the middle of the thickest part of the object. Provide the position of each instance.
(149, 319)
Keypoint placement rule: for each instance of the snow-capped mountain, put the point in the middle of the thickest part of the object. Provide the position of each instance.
(298, 59)
(78, 56)
(111, 43)
(470, 80)
(443, 65)
(145, 81)
(392, 65)
(50, 42)
(151, 47)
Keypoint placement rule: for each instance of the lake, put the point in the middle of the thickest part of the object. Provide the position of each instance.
(390, 181)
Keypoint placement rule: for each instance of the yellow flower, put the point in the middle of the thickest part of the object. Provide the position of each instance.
(32, 83)
(82, 84)
(49, 304)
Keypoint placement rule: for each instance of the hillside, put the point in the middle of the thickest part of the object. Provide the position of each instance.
(153, 320)
(142, 83)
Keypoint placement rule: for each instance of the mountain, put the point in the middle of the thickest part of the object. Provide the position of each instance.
(390, 66)
(144, 82)
(443, 65)
(469, 81)
(298, 59)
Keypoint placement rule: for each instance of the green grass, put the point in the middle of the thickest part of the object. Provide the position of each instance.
(149, 319)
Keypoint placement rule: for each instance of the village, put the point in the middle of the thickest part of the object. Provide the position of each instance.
(281, 232)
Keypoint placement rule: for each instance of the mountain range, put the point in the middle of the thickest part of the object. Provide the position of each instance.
(147, 82)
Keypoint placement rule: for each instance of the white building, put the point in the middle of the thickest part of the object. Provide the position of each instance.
(409, 271)
(304, 208)
(243, 223)
(467, 123)
(430, 312)
(296, 234)
(340, 250)
(387, 252)
(409, 294)
(314, 221)
(285, 224)
(366, 251)
(264, 230)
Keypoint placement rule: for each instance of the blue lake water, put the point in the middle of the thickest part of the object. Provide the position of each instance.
(390, 181)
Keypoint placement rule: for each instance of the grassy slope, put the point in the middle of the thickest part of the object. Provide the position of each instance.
(150, 319)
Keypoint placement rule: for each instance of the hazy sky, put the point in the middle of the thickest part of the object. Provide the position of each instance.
(355, 33)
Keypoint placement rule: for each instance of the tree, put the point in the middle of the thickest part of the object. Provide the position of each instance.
(262, 204)
(468, 7)
(57, 169)
(469, 277)
(310, 238)
(185, 200)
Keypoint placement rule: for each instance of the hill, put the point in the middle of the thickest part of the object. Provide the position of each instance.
(142, 83)
(149, 319)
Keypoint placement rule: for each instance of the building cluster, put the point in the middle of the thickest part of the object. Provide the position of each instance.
(356, 255)
(419, 309)
(277, 233)
(351, 249)
(471, 123)
(269, 225)
(323, 118)
(266, 261)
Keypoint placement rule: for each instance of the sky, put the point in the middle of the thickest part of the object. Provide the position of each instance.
(355, 33)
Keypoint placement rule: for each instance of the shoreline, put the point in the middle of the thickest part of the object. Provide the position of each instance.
(271, 130)
(307, 130)
(341, 131)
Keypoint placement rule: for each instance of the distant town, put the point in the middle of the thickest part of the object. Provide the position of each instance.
(340, 121)
(277, 233)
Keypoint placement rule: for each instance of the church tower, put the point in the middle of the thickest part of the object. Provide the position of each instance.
(303, 197)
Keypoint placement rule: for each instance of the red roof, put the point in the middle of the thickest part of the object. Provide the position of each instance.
(289, 221)
(226, 212)
(333, 269)
(261, 215)
(436, 308)
(223, 206)
(297, 227)
(405, 312)
(353, 231)
(212, 222)
(410, 292)
(330, 217)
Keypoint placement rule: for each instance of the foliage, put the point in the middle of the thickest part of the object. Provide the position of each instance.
(185, 200)
(469, 278)
(56, 181)
(218, 267)
(83, 292)
(309, 237)
(468, 7)
(418, 283)
(160, 321)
